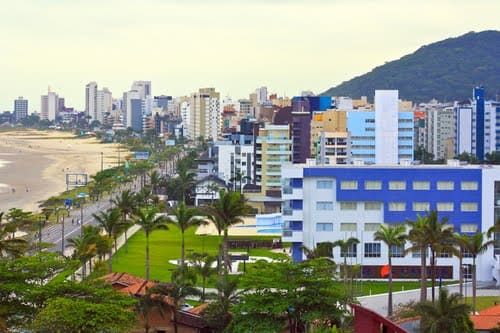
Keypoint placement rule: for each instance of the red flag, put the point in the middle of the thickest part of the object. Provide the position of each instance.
(384, 271)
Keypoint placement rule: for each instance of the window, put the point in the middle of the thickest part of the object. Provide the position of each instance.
(445, 206)
(373, 185)
(421, 185)
(468, 206)
(324, 226)
(324, 205)
(421, 206)
(373, 205)
(348, 205)
(351, 251)
(324, 184)
(372, 250)
(416, 253)
(445, 185)
(397, 206)
(397, 185)
(397, 251)
(349, 185)
(372, 226)
(468, 186)
(468, 227)
(348, 226)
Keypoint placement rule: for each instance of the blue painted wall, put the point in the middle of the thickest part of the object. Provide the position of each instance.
(433, 196)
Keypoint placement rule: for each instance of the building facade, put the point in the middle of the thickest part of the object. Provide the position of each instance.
(20, 108)
(205, 118)
(323, 204)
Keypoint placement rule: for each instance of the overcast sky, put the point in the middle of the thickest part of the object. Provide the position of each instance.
(233, 45)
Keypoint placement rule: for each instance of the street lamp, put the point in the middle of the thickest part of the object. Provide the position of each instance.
(81, 195)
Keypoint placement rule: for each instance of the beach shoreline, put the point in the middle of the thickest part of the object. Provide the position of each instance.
(35, 164)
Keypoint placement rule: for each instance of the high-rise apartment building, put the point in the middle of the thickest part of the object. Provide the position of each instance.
(386, 126)
(143, 87)
(205, 114)
(49, 106)
(20, 108)
(91, 100)
(132, 103)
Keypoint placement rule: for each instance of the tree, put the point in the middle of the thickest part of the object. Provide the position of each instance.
(344, 248)
(149, 220)
(322, 250)
(185, 218)
(146, 304)
(85, 247)
(475, 245)
(281, 294)
(391, 236)
(225, 212)
(447, 315)
(126, 204)
(440, 239)
(418, 238)
(461, 242)
(10, 246)
(217, 313)
(17, 218)
(202, 264)
(155, 180)
(182, 286)
(239, 178)
(112, 225)
(82, 308)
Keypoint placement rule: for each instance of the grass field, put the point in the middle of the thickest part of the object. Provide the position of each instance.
(165, 245)
(483, 302)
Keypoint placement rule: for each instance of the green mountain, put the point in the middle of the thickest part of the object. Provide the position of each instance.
(446, 70)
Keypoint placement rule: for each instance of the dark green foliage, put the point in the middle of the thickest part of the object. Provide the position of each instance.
(446, 70)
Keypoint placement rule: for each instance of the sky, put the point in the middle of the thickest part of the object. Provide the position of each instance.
(232, 45)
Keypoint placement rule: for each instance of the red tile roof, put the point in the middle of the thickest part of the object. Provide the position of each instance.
(487, 319)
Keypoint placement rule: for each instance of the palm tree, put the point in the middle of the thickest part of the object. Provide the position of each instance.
(391, 236)
(461, 242)
(182, 286)
(418, 237)
(238, 177)
(202, 264)
(112, 225)
(155, 180)
(126, 204)
(440, 239)
(85, 248)
(448, 315)
(186, 181)
(344, 248)
(225, 212)
(146, 304)
(476, 245)
(322, 250)
(149, 221)
(185, 218)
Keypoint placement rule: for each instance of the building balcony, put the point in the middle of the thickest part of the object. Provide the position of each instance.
(273, 172)
(289, 235)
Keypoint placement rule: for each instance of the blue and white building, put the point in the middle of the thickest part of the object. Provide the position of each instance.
(327, 203)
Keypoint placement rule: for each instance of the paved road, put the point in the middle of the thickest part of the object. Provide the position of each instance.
(378, 303)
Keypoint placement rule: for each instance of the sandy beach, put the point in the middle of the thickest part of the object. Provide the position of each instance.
(34, 164)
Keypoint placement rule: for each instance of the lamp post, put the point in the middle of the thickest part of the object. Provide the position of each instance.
(81, 195)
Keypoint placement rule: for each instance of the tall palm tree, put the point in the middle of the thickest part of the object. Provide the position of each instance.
(126, 203)
(185, 218)
(111, 223)
(202, 264)
(476, 245)
(448, 315)
(225, 212)
(344, 247)
(461, 242)
(177, 291)
(440, 239)
(391, 236)
(239, 178)
(322, 250)
(149, 221)
(186, 181)
(418, 237)
(155, 180)
(146, 304)
(85, 248)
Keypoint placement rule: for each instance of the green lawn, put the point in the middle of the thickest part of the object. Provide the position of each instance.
(483, 302)
(165, 245)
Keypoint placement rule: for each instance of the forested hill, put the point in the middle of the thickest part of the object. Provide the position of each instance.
(446, 70)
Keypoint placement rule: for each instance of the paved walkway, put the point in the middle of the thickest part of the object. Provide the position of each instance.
(378, 303)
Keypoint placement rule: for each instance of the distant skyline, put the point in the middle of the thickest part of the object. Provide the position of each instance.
(232, 45)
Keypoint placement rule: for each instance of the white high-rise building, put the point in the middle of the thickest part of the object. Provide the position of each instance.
(21, 108)
(386, 126)
(91, 100)
(261, 94)
(49, 106)
(127, 103)
(143, 87)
